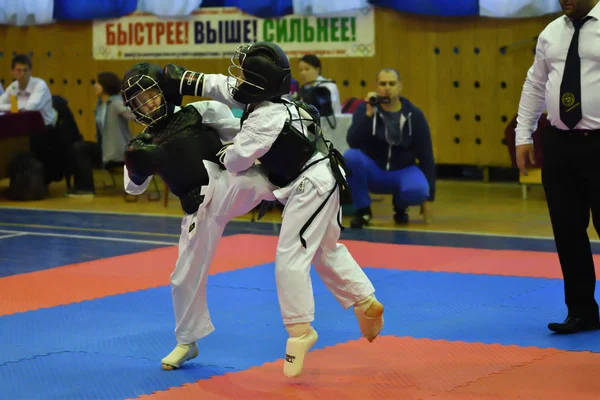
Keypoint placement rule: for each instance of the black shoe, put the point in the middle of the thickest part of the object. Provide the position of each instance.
(401, 218)
(400, 213)
(362, 218)
(575, 324)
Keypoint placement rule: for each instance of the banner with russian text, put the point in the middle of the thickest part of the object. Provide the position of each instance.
(217, 32)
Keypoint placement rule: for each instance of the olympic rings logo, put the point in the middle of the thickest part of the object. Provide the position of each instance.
(365, 10)
(102, 51)
(364, 50)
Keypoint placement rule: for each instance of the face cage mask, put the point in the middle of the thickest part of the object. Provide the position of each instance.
(236, 69)
(136, 105)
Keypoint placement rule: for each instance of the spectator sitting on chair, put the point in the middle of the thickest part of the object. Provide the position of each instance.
(32, 93)
(112, 134)
(386, 139)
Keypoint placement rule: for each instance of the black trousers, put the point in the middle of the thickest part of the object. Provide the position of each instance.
(52, 151)
(571, 179)
(85, 156)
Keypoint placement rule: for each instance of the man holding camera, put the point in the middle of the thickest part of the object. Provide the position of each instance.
(390, 152)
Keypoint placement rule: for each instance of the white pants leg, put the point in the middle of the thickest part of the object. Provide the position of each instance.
(342, 275)
(292, 260)
(200, 236)
(230, 196)
(339, 271)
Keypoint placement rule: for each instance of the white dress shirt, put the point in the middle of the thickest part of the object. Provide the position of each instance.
(542, 85)
(36, 96)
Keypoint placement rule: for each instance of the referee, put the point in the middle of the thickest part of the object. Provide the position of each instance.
(565, 80)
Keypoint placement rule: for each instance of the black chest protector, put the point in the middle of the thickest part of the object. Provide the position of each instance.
(185, 142)
(287, 157)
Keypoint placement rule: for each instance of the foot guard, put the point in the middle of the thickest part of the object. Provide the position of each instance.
(180, 354)
(302, 338)
(369, 314)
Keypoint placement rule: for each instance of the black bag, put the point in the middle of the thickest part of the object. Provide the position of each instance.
(320, 97)
(27, 181)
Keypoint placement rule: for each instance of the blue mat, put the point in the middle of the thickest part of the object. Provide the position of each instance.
(111, 347)
(22, 254)
(140, 223)
(171, 225)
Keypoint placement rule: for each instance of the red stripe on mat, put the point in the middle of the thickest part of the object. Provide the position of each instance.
(535, 264)
(115, 275)
(408, 368)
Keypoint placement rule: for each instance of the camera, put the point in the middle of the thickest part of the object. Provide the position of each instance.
(375, 100)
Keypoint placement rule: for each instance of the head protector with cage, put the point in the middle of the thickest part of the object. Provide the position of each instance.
(143, 95)
(260, 71)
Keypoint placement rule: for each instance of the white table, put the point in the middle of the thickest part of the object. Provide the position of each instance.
(337, 135)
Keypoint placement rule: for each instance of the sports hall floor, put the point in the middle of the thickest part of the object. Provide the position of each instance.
(85, 308)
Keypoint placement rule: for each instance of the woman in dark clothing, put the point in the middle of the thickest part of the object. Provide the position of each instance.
(112, 135)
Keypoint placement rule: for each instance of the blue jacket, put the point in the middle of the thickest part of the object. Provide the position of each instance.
(369, 136)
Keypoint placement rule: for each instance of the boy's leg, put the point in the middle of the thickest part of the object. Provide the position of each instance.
(228, 196)
(345, 278)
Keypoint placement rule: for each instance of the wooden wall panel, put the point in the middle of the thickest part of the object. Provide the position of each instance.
(62, 55)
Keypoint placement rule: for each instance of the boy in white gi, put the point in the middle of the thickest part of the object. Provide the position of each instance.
(181, 144)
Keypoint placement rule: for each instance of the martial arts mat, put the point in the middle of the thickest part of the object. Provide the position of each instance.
(87, 315)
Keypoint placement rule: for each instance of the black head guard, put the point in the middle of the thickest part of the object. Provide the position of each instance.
(143, 95)
(261, 71)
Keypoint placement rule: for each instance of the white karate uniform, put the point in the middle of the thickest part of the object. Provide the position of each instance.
(334, 264)
(227, 196)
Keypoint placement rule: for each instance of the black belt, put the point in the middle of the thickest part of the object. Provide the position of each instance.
(335, 159)
(583, 132)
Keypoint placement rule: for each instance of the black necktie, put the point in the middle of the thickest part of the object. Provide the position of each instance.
(570, 88)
